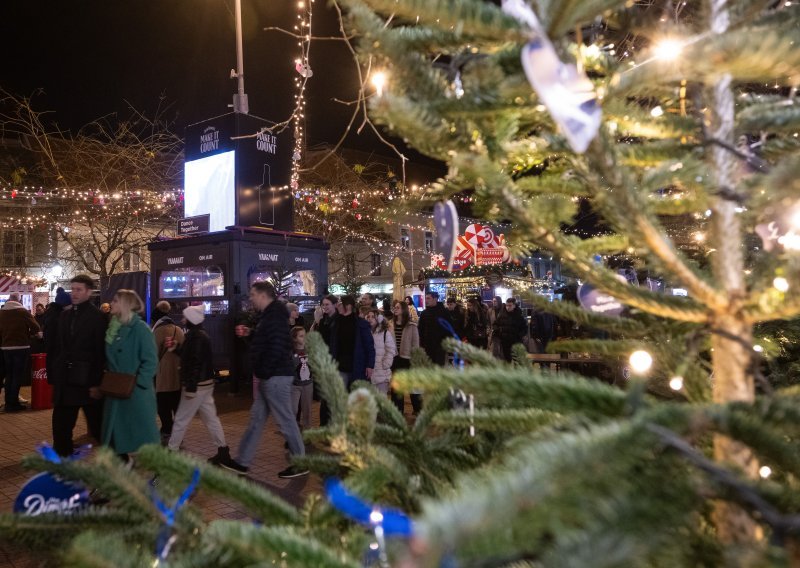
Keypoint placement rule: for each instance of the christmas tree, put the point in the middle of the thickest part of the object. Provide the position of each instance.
(657, 115)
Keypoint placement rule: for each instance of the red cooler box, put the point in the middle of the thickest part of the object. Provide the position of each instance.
(41, 391)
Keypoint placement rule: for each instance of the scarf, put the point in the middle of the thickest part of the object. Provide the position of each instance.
(113, 329)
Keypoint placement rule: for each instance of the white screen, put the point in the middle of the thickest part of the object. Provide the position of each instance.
(210, 188)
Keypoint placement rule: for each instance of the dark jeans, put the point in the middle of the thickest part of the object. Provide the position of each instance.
(167, 407)
(398, 398)
(324, 411)
(15, 361)
(64, 419)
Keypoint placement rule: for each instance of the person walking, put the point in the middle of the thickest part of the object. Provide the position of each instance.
(406, 337)
(385, 348)
(494, 340)
(456, 316)
(76, 356)
(17, 328)
(352, 344)
(477, 323)
(303, 386)
(271, 358)
(197, 381)
(510, 327)
(431, 332)
(325, 318)
(130, 423)
(169, 338)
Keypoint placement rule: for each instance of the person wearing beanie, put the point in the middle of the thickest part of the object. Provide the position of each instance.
(63, 298)
(169, 337)
(197, 378)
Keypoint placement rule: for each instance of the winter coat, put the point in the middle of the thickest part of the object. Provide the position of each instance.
(476, 328)
(409, 340)
(130, 423)
(271, 345)
(17, 326)
(326, 328)
(385, 350)
(510, 327)
(76, 352)
(168, 377)
(431, 332)
(195, 359)
(363, 350)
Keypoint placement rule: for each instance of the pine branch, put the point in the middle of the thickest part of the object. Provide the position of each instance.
(326, 374)
(260, 503)
(498, 420)
(94, 549)
(522, 387)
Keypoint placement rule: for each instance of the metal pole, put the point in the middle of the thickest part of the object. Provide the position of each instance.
(239, 99)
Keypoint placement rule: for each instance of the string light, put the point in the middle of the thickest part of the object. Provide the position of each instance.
(379, 80)
(765, 471)
(304, 73)
(781, 284)
(676, 383)
(667, 49)
(641, 361)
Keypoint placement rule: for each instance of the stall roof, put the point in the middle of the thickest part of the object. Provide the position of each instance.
(245, 234)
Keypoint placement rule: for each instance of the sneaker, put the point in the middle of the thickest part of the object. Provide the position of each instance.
(223, 456)
(15, 408)
(23, 400)
(234, 466)
(292, 471)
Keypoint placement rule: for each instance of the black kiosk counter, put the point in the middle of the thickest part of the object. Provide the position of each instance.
(217, 269)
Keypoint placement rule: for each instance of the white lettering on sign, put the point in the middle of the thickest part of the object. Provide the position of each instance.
(209, 140)
(266, 142)
(36, 504)
(206, 257)
(175, 260)
(301, 259)
(267, 256)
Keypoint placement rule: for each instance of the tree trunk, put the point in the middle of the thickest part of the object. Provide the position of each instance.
(732, 335)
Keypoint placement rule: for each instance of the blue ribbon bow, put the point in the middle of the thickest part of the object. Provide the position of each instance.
(394, 522)
(165, 537)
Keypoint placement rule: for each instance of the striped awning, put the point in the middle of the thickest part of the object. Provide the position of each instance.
(14, 284)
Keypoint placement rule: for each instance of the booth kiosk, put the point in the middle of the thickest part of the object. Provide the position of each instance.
(237, 229)
(216, 270)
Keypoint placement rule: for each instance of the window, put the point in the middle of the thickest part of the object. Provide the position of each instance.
(429, 241)
(350, 264)
(375, 260)
(405, 239)
(130, 260)
(12, 245)
(192, 282)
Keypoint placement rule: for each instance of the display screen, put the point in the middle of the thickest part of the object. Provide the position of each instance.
(210, 189)
(191, 282)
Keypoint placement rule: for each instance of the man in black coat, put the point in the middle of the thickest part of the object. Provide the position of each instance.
(510, 326)
(431, 332)
(273, 369)
(75, 364)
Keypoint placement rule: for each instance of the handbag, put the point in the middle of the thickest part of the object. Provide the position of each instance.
(117, 385)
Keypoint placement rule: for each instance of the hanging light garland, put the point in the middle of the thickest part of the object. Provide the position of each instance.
(304, 73)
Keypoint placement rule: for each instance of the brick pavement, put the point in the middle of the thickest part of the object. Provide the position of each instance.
(20, 432)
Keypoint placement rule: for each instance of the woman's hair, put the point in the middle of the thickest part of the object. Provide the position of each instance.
(383, 323)
(405, 315)
(409, 300)
(129, 302)
(295, 331)
(364, 310)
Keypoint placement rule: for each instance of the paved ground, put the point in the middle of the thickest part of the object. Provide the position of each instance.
(20, 432)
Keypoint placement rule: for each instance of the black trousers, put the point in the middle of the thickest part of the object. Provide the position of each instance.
(64, 420)
(167, 403)
(397, 398)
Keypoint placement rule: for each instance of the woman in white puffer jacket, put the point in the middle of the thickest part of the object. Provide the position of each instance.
(385, 348)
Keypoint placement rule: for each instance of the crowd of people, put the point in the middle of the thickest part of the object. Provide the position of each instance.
(170, 362)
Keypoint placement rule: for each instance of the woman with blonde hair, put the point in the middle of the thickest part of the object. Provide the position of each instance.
(130, 423)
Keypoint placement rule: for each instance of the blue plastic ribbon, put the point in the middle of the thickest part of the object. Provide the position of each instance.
(47, 452)
(394, 522)
(165, 537)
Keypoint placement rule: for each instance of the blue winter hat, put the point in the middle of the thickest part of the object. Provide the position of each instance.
(63, 298)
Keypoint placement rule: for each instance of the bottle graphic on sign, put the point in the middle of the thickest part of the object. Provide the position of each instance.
(266, 198)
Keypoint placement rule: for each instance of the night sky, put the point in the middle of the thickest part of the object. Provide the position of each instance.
(91, 56)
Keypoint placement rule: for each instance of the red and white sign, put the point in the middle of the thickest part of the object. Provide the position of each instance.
(13, 284)
(479, 245)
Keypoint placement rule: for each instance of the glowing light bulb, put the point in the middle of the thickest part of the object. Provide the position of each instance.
(699, 237)
(758, 348)
(676, 383)
(667, 49)
(781, 284)
(376, 517)
(765, 471)
(641, 361)
(656, 112)
(379, 79)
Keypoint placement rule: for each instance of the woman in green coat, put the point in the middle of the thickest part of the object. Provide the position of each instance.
(130, 423)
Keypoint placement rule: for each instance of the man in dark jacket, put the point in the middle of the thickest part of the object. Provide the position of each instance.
(510, 327)
(76, 360)
(325, 324)
(17, 328)
(352, 345)
(431, 332)
(273, 368)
